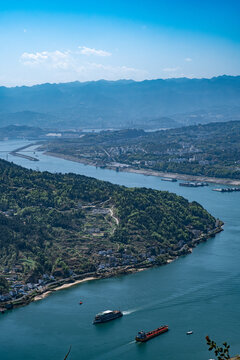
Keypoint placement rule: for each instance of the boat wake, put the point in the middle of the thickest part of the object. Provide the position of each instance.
(130, 311)
(132, 342)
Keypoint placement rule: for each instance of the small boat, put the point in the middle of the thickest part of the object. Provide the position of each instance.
(189, 332)
(143, 336)
(169, 179)
(80, 302)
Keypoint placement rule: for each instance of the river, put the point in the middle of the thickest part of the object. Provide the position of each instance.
(199, 292)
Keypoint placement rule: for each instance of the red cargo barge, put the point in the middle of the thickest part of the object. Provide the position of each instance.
(143, 336)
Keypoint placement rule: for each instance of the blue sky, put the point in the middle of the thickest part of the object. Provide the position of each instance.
(60, 41)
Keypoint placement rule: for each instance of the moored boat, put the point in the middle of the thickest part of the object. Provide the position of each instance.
(107, 315)
(169, 179)
(143, 336)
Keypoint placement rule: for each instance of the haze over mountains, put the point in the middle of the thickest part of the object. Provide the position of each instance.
(149, 104)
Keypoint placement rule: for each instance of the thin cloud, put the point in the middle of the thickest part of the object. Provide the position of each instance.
(54, 59)
(91, 51)
(71, 64)
(188, 59)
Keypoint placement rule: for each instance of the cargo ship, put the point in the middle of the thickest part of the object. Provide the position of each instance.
(107, 315)
(143, 336)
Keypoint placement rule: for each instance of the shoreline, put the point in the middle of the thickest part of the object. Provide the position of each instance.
(66, 283)
(62, 287)
(148, 172)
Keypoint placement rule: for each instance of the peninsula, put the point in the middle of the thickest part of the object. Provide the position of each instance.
(57, 229)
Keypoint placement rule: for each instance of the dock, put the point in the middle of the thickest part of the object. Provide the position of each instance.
(28, 157)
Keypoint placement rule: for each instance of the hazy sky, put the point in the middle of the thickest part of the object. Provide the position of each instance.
(60, 41)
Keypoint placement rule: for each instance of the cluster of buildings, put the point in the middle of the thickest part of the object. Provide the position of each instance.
(19, 289)
(185, 154)
(127, 149)
(110, 260)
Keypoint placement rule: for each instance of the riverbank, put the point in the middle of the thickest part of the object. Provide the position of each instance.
(62, 287)
(66, 283)
(95, 276)
(149, 172)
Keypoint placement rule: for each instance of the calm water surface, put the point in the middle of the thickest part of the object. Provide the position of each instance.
(199, 292)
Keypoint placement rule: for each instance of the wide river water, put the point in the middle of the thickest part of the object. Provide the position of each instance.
(199, 292)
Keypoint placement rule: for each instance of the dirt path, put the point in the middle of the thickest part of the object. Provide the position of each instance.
(114, 217)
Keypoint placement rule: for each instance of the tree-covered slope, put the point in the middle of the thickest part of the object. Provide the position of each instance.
(58, 224)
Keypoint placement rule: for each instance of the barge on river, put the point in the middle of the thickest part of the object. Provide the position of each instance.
(193, 184)
(143, 336)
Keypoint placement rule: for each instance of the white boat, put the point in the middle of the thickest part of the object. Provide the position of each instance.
(189, 332)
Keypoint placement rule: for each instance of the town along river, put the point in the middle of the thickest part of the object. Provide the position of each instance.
(199, 292)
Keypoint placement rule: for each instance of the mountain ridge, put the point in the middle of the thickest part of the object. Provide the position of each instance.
(122, 103)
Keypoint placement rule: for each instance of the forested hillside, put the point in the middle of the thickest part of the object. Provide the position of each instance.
(58, 225)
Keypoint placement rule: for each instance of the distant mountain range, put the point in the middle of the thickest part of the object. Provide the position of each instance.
(150, 104)
(21, 132)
